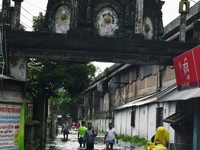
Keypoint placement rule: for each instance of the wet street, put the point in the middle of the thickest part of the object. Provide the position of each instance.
(72, 143)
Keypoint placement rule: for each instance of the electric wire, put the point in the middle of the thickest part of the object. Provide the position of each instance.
(27, 11)
(27, 18)
(34, 5)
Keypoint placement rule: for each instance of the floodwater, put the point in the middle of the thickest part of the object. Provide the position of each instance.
(72, 143)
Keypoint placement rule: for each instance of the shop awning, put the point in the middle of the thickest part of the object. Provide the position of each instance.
(174, 95)
(176, 118)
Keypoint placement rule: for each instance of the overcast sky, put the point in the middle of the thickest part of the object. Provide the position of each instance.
(32, 8)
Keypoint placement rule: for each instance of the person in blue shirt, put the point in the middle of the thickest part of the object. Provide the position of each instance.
(89, 137)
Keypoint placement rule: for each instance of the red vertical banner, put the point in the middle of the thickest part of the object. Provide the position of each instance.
(185, 71)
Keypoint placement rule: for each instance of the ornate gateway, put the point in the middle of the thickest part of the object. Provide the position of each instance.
(110, 18)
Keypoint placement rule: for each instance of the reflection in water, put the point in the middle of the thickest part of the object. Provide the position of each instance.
(72, 143)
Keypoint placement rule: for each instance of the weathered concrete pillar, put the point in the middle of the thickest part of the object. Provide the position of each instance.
(54, 111)
(6, 12)
(39, 114)
(182, 27)
(196, 32)
(16, 15)
(17, 65)
(139, 16)
(89, 12)
(74, 18)
(96, 102)
(183, 10)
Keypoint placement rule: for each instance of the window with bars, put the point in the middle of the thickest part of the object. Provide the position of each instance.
(133, 118)
(159, 117)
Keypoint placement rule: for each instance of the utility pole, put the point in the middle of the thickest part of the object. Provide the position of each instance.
(184, 6)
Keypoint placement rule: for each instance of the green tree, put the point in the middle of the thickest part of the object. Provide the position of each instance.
(38, 23)
(34, 69)
(71, 76)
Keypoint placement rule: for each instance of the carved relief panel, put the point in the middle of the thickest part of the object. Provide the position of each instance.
(60, 15)
(106, 22)
(110, 16)
(62, 19)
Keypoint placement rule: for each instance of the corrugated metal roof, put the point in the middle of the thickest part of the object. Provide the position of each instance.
(175, 95)
(138, 102)
(166, 91)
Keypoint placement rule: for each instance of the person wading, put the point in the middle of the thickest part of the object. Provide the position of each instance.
(89, 137)
(81, 133)
(110, 136)
(65, 130)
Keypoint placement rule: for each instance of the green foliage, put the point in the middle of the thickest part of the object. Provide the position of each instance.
(73, 77)
(126, 138)
(63, 97)
(135, 139)
(38, 22)
(29, 116)
(34, 69)
(142, 142)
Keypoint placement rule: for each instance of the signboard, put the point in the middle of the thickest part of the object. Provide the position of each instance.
(186, 68)
(9, 126)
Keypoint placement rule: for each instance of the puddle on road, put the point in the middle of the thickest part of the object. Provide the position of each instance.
(72, 143)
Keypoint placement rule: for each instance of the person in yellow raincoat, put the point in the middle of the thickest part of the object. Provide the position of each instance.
(161, 139)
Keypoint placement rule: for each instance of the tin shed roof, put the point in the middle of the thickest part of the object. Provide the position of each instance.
(174, 94)
(138, 102)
